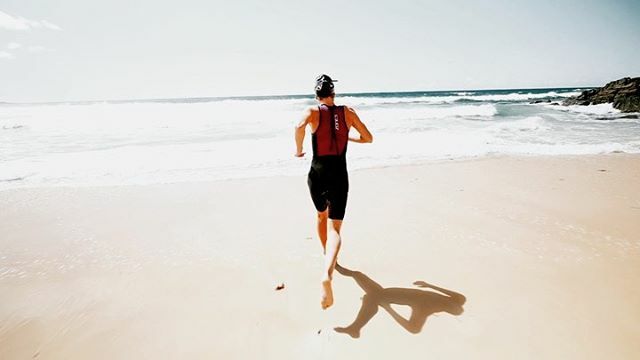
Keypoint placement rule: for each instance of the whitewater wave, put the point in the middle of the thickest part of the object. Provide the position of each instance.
(429, 112)
(448, 99)
(532, 123)
(152, 142)
(12, 127)
(521, 97)
(599, 109)
(464, 110)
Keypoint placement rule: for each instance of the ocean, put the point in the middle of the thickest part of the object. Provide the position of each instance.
(194, 139)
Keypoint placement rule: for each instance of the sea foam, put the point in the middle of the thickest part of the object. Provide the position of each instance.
(139, 142)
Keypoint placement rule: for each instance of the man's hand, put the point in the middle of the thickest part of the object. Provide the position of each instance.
(299, 154)
(358, 139)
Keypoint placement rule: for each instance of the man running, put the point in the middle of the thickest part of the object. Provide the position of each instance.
(328, 179)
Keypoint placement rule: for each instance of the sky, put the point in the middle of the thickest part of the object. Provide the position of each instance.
(63, 50)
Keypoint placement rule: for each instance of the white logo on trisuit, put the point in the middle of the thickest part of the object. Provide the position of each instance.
(335, 120)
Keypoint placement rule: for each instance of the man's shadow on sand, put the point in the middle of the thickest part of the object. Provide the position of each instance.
(422, 302)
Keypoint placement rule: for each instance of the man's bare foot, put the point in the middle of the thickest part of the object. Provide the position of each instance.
(327, 294)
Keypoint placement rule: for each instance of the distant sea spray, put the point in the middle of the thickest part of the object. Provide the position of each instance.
(172, 140)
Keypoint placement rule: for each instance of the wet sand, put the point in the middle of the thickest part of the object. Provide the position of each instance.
(512, 257)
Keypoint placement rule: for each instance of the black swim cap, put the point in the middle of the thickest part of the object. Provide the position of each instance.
(324, 86)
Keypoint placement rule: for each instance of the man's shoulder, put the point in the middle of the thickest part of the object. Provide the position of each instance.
(348, 110)
(310, 111)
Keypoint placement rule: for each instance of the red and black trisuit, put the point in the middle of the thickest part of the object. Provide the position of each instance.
(328, 179)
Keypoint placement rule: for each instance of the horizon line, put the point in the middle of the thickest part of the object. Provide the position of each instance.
(259, 97)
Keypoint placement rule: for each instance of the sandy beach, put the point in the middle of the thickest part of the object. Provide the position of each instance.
(535, 258)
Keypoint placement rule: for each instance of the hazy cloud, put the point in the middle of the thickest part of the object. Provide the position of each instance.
(6, 55)
(49, 25)
(19, 23)
(13, 45)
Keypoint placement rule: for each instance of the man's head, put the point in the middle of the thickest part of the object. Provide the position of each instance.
(324, 86)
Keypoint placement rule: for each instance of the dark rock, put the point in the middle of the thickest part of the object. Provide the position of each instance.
(623, 93)
(540, 101)
(619, 116)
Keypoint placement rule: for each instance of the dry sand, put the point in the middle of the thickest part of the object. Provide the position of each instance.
(546, 251)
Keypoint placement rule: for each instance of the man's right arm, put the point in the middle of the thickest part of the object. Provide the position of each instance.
(300, 130)
(365, 135)
(459, 298)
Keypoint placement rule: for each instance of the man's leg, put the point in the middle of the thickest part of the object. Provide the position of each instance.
(333, 246)
(367, 311)
(331, 254)
(322, 228)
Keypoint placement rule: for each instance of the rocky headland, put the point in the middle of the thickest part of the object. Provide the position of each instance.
(624, 94)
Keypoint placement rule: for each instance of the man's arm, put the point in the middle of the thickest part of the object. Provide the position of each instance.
(365, 135)
(300, 131)
(459, 298)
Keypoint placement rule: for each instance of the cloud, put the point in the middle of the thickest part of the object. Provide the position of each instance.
(6, 55)
(49, 25)
(19, 23)
(31, 48)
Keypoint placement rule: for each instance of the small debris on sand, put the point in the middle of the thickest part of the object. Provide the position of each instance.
(319, 331)
(602, 170)
(280, 287)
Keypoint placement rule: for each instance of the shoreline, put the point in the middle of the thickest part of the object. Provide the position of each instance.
(419, 163)
(544, 249)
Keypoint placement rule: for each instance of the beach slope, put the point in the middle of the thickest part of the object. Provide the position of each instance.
(495, 258)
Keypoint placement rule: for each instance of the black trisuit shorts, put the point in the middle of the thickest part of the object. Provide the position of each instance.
(329, 186)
